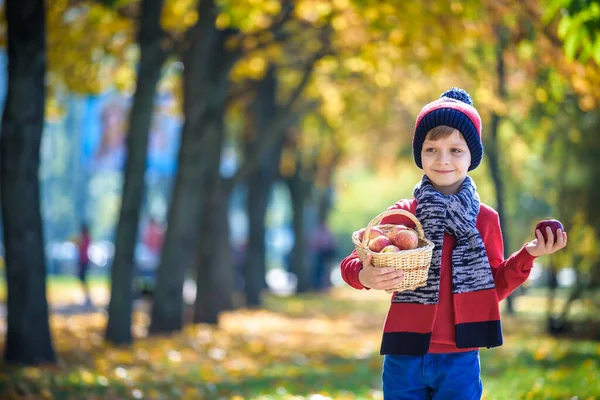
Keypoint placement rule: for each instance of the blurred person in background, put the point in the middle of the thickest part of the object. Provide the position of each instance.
(154, 236)
(152, 240)
(324, 247)
(83, 245)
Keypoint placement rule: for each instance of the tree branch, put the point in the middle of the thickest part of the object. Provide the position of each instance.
(285, 114)
(131, 11)
(536, 17)
(274, 132)
(277, 27)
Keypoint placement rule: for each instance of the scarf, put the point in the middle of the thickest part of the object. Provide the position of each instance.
(457, 215)
(472, 279)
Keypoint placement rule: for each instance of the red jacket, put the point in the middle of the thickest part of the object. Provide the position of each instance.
(508, 275)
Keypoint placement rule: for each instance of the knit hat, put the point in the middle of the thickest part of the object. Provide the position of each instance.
(454, 108)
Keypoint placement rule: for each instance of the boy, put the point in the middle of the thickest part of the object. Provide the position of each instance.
(431, 335)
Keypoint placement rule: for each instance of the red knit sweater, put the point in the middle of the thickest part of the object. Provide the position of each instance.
(508, 274)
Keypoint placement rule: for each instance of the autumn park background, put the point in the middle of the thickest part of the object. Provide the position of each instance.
(243, 133)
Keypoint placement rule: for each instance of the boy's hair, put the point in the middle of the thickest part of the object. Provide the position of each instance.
(440, 132)
(455, 109)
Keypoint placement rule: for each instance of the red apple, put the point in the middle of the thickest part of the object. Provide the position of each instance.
(379, 243)
(395, 230)
(552, 223)
(406, 239)
(361, 233)
(375, 231)
(390, 249)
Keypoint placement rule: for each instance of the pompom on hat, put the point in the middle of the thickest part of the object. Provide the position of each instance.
(455, 109)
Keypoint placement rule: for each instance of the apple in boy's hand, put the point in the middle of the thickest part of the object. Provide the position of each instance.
(375, 232)
(552, 223)
(390, 249)
(390, 235)
(406, 239)
(379, 243)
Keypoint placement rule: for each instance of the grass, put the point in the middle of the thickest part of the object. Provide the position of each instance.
(314, 346)
(64, 289)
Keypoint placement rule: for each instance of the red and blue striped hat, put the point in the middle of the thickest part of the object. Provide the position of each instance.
(454, 108)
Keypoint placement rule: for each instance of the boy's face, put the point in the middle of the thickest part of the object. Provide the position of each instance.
(446, 161)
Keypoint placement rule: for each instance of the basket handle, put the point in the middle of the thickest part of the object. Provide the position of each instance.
(387, 213)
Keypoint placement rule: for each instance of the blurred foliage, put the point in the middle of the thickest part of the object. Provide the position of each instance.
(89, 47)
(314, 347)
(382, 62)
(64, 290)
(550, 107)
(578, 27)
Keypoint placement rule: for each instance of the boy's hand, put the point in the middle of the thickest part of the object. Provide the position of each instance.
(539, 247)
(379, 278)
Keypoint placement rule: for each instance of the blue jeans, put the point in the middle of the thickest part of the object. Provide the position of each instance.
(452, 376)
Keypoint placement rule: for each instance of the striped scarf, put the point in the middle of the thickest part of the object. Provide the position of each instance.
(457, 215)
(410, 321)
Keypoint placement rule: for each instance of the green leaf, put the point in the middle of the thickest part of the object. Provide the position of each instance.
(552, 9)
(563, 26)
(596, 49)
(571, 44)
(586, 49)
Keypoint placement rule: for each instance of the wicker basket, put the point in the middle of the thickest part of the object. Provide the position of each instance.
(414, 263)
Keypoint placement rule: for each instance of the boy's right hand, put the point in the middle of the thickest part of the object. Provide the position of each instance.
(379, 278)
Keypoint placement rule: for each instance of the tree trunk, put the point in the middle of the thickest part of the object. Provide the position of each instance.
(214, 269)
(207, 66)
(215, 273)
(152, 57)
(299, 191)
(259, 184)
(554, 325)
(492, 149)
(28, 339)
(254, 268)
(326, 193)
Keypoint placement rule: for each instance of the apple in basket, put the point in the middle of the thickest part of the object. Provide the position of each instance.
(379, 243)
(552, 223)
(375, 232)
(406, 239)
(390, 249)
(395, 230)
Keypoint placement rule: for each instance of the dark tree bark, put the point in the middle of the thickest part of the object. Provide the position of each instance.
(28, 339)
(300, 185)
(492, 148)
(215, 279)
(261, 166)
(206, 89)
(152, 58)
(214, 270)
(325, 195)
(259, 184)
(216, 273)
(254, 263)
(207, 66)
(554, 323)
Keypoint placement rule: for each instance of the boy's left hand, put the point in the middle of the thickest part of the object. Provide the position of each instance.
(539, 246)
